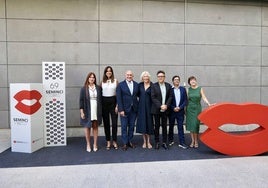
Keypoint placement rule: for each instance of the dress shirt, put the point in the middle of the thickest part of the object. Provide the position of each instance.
(163, 92)
(177, 93)
(130, 86)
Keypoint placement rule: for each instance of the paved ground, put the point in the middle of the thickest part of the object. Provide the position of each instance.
(232, 172)
(235, 172)
(4, 140)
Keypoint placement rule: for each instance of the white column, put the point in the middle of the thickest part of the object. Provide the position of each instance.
(54, 103)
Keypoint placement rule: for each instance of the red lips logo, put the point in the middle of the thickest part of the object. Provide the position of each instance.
(28, 95)
(245, 144)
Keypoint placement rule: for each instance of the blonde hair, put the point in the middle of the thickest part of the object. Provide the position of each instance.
(144, 73)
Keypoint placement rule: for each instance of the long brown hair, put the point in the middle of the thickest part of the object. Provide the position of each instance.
(105, 78)
(86, 81)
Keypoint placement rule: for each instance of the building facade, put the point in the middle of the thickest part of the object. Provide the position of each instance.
(223, 43)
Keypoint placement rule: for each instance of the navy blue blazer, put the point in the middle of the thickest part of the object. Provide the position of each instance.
(183, 100)
(157, 97)
(125, 100)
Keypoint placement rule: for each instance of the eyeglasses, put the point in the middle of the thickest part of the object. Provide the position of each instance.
(160, 76)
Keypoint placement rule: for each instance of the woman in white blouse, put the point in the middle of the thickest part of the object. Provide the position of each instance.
(109, 107)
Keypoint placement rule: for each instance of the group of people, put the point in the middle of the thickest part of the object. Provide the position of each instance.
(146, 105)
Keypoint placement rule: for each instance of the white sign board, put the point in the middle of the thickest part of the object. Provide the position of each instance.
(54, 103)
(26, 117)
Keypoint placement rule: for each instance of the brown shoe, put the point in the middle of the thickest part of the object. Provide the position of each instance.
(131, 145)
(124, 148)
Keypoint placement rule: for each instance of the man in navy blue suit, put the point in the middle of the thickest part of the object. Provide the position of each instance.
(161, 98)
(179, 101)
(127, 101)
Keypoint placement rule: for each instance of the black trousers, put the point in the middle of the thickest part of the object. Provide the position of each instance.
(160, 120)
(108, 110)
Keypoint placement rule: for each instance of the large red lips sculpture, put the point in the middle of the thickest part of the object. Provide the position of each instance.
(28, 95)
(246, 144)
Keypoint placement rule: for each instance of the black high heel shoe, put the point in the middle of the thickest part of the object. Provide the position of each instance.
(115, 145)
(108, 146)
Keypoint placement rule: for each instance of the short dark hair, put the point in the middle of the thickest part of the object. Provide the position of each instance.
(191, 78)
(160, 71)
(176, 76)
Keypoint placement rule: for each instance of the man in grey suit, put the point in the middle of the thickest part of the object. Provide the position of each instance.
(161, 99)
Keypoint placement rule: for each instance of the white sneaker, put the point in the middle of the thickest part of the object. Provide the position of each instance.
(183, 146)
(171, 143)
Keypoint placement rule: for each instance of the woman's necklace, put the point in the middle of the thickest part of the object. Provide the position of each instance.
(92, 87)
(92, 90)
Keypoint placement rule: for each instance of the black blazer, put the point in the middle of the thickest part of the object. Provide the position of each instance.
(157, 97)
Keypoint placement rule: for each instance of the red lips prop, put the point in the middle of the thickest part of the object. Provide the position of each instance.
(28, 95)
(245, 144)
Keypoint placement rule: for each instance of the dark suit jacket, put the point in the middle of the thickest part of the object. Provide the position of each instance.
(157, 97)
(183, 100)
(125, 100)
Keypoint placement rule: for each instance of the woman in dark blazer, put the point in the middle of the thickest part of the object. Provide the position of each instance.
(90, 109)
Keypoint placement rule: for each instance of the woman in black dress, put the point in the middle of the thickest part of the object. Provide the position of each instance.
(145, 120)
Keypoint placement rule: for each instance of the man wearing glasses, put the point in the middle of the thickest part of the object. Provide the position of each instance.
(161, 99)
(178, 104)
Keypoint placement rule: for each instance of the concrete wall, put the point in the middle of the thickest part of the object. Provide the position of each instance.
(223, 43)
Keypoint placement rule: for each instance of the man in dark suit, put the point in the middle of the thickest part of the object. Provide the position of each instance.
(127, 100)
(161, 99)
(179, 101)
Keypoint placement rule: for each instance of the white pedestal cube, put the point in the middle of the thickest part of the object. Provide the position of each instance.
(26, 117)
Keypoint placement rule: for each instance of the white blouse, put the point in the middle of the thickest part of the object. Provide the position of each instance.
(109, 88)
